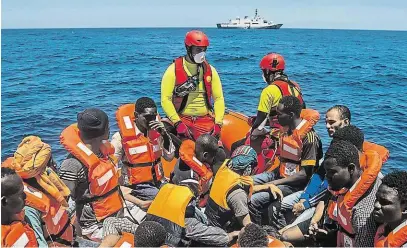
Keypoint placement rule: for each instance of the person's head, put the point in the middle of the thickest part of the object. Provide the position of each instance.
(252, 235)
(243, 160)
(341, 164)
(149, 234)
(391, 198)
(146, 111)
(196, 43)
(351, 134)
(206, 148)
(337, 117)
(93, 125)
(12, 192)
(272, 65)
(288, 110)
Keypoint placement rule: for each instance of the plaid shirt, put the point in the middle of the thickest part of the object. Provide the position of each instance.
(362, 219)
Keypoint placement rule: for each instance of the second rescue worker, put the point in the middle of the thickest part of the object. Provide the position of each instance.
(191, 91)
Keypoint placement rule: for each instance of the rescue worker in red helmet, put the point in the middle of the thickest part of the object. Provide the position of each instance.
(278, 86)
(191, 92)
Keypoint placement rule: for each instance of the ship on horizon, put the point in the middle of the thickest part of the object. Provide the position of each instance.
(257, 22)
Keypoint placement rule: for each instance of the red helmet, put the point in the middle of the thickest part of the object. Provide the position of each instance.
(196, 38)
(272, 62)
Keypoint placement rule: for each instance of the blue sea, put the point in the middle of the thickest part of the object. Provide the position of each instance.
(49, 75)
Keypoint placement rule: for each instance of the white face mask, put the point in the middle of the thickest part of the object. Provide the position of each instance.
(199, 57)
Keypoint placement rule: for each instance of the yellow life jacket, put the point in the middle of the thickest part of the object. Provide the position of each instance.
(225, 181)
(169, 208)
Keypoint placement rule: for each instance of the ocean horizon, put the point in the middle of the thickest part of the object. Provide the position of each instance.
(200, 27)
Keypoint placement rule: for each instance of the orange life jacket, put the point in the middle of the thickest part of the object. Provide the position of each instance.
(187, 154)
(290, 148)
(347, 201)
(395, 238)
(142, 153)
(55, 216)
(273, 242)
(18, 234)
(102, 175)
(126, 241)
(366, 167)
(383, 152)
(181, 76)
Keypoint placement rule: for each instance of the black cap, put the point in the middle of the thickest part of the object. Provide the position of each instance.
(92, 123)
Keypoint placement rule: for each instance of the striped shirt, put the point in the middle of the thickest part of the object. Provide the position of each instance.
(311, 149)
(362, 219)
(75, 176)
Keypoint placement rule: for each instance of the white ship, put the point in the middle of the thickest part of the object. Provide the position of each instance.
(257, 22)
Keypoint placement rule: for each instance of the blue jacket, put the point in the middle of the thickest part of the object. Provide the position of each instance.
(316, 189)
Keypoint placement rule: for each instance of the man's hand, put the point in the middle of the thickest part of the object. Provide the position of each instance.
(273, 189)
(144, 204)
(258, 188)
(182, 130)
(217, 128)
(232, 235)
(159, 127)
(314, 230)
(276, 191)
(298, 207)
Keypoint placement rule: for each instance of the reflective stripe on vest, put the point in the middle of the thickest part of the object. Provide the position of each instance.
(396, 238)
(105, 200)
(53, 214)
(22, 241)
(141, 152)
(187, 155)
(291, 146)
(18, 234)
(126, 241)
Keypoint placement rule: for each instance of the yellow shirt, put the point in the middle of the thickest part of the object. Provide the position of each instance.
(196, 104)
(270, 97)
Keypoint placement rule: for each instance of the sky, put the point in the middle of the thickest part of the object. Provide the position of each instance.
(342, 14)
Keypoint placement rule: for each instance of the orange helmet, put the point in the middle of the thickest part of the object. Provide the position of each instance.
(196, 38)
(272, 62)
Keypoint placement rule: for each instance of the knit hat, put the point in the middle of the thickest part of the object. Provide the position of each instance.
(242, 157)
(92, 123)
